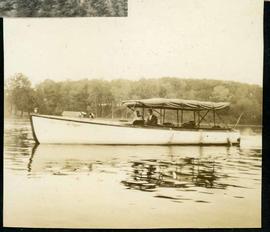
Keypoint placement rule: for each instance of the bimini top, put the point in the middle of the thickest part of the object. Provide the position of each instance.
(176, 104)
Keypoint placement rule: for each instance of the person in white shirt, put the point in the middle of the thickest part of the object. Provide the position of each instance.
(138, 118)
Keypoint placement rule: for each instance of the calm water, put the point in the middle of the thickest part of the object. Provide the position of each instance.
(130, 186)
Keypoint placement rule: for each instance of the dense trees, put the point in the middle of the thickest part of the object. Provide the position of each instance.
(100, 96)
(19, 95)
(63, 8)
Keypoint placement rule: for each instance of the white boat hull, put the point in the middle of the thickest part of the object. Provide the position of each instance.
(59, 130)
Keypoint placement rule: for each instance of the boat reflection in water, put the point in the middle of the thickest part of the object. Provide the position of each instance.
(96, 186)
(146, 168)
(184, 173)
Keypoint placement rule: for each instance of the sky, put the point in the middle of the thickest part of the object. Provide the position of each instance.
(209, 39)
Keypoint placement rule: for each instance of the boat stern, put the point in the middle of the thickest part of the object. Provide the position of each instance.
(235, 137)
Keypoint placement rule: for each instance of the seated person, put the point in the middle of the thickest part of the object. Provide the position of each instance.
(138, 118)
(151, 119)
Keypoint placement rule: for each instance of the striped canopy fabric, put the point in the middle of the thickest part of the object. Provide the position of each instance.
(176, 104)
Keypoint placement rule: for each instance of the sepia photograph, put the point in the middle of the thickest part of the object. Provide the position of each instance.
(153, 120)
(63, 8)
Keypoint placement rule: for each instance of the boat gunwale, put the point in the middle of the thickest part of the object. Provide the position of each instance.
(128, 125)
(147, 144)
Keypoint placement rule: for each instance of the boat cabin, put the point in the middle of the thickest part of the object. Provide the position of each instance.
(197, 112)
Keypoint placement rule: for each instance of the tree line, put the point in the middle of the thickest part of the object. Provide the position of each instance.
(63, 8)
(103, 97)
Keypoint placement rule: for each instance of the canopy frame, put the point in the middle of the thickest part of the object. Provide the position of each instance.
(160, 106)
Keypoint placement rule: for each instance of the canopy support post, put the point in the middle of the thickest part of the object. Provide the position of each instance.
(164, 112)
(112, 109)
(182, 117)
(214, 116)
(194, 117)
(199, 118)
(177, 118)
